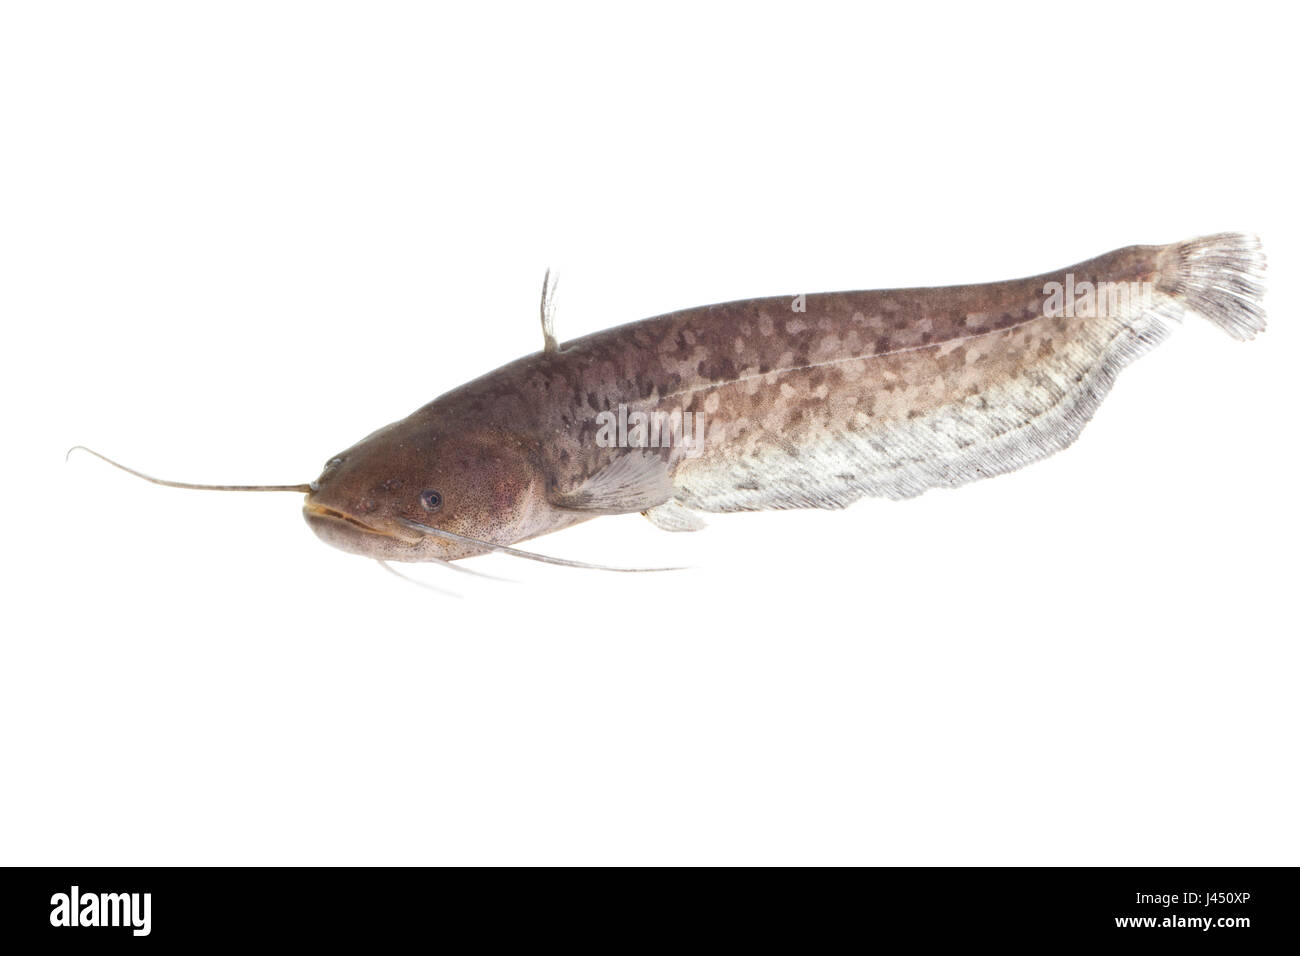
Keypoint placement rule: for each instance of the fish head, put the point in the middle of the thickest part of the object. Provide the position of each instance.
(482, 484)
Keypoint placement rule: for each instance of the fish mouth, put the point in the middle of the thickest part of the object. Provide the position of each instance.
(312, 510)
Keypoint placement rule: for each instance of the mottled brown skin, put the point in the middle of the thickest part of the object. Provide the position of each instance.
(503, 449)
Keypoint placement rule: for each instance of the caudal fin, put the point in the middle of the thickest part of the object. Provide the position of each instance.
(1219, 277)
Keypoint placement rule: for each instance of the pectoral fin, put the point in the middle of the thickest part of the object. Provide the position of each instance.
(635, 481)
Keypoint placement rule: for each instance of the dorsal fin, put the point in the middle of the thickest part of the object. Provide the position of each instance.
(549, 343)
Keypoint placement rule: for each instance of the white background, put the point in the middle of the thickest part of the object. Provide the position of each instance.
(238, 237)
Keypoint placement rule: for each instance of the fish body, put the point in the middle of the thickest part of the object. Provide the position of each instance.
(800, 401)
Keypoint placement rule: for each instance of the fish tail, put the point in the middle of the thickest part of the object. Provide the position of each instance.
(1219, 277)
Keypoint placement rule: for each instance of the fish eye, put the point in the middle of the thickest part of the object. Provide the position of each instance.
(430, 500)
